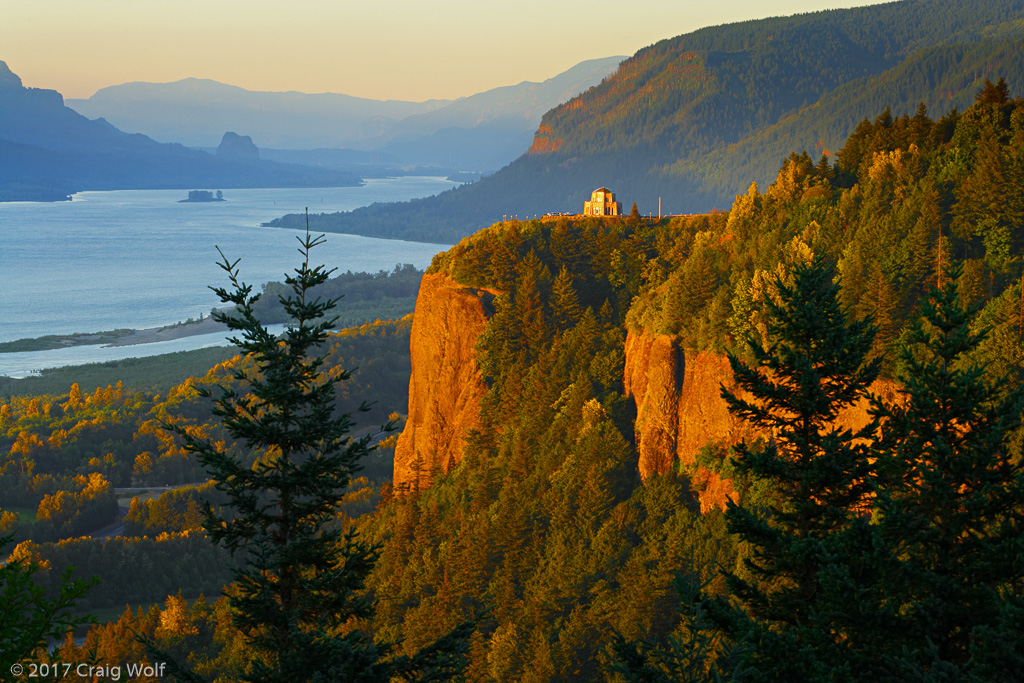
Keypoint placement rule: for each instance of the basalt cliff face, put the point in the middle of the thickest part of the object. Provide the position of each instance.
(544, 141)
(680, 409)
(446, 386)
(677, 393)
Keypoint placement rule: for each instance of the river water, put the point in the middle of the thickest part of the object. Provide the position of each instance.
(139, 258)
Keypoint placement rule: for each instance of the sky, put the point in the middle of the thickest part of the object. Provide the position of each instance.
(380, 49)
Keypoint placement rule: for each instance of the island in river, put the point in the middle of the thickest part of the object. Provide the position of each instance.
(203, 196)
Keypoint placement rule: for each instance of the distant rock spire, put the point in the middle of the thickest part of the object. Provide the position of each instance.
(235, 147)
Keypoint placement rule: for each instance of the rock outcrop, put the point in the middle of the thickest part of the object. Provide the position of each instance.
(544, 141)
(677, 393)
(235, 147)
(678, 405)
(8, 79)
(680, 408)
(446, 386)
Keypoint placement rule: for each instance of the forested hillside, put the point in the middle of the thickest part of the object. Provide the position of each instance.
(694, 119)
(543, 525)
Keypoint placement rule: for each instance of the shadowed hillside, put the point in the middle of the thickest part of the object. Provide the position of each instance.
(48, 151)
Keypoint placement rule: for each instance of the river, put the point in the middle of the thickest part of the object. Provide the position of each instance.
(140, 258)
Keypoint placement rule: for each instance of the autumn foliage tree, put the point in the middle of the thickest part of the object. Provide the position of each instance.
(30, 615)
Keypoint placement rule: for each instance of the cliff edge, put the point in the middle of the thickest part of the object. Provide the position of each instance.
(446, 387)
(677, 393)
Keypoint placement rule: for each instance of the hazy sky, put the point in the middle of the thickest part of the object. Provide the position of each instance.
(397, 49)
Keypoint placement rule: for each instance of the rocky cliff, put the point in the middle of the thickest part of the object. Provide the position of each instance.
(677, 393)
(446, 386)
(544, 141)
(680, 408)
(235, 147)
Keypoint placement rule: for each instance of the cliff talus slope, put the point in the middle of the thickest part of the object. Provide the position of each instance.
(446, 385)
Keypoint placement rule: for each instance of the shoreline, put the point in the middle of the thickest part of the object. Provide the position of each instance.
(169, 332)
(113, 338)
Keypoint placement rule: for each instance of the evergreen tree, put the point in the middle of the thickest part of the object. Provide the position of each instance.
(823, 170)
(986, 204)
(528, 299)
(298, 586)
(565, 304)
(896, 559)
(806, 549)
(793, 620)
(997, 93)
(951, 499)
(920, 126)
(880, 305)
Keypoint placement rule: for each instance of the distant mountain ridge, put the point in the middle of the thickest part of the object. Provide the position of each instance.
(479, 132)
(196, 111)
(695, 119)
(48, 151)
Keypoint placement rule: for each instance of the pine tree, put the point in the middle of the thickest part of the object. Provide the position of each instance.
(921, 126)
(983, 206)
(528, 300)
(880, 304)
(823, 170)
(801, 549)
(893, 554)
(565, 304)
(997, 93)
(951, 499)
(299, 580)
(792, 620)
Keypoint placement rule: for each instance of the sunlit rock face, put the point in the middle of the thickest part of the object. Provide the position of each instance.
(446, 387)
(677, 393)
(679, 406)
(680, 409)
